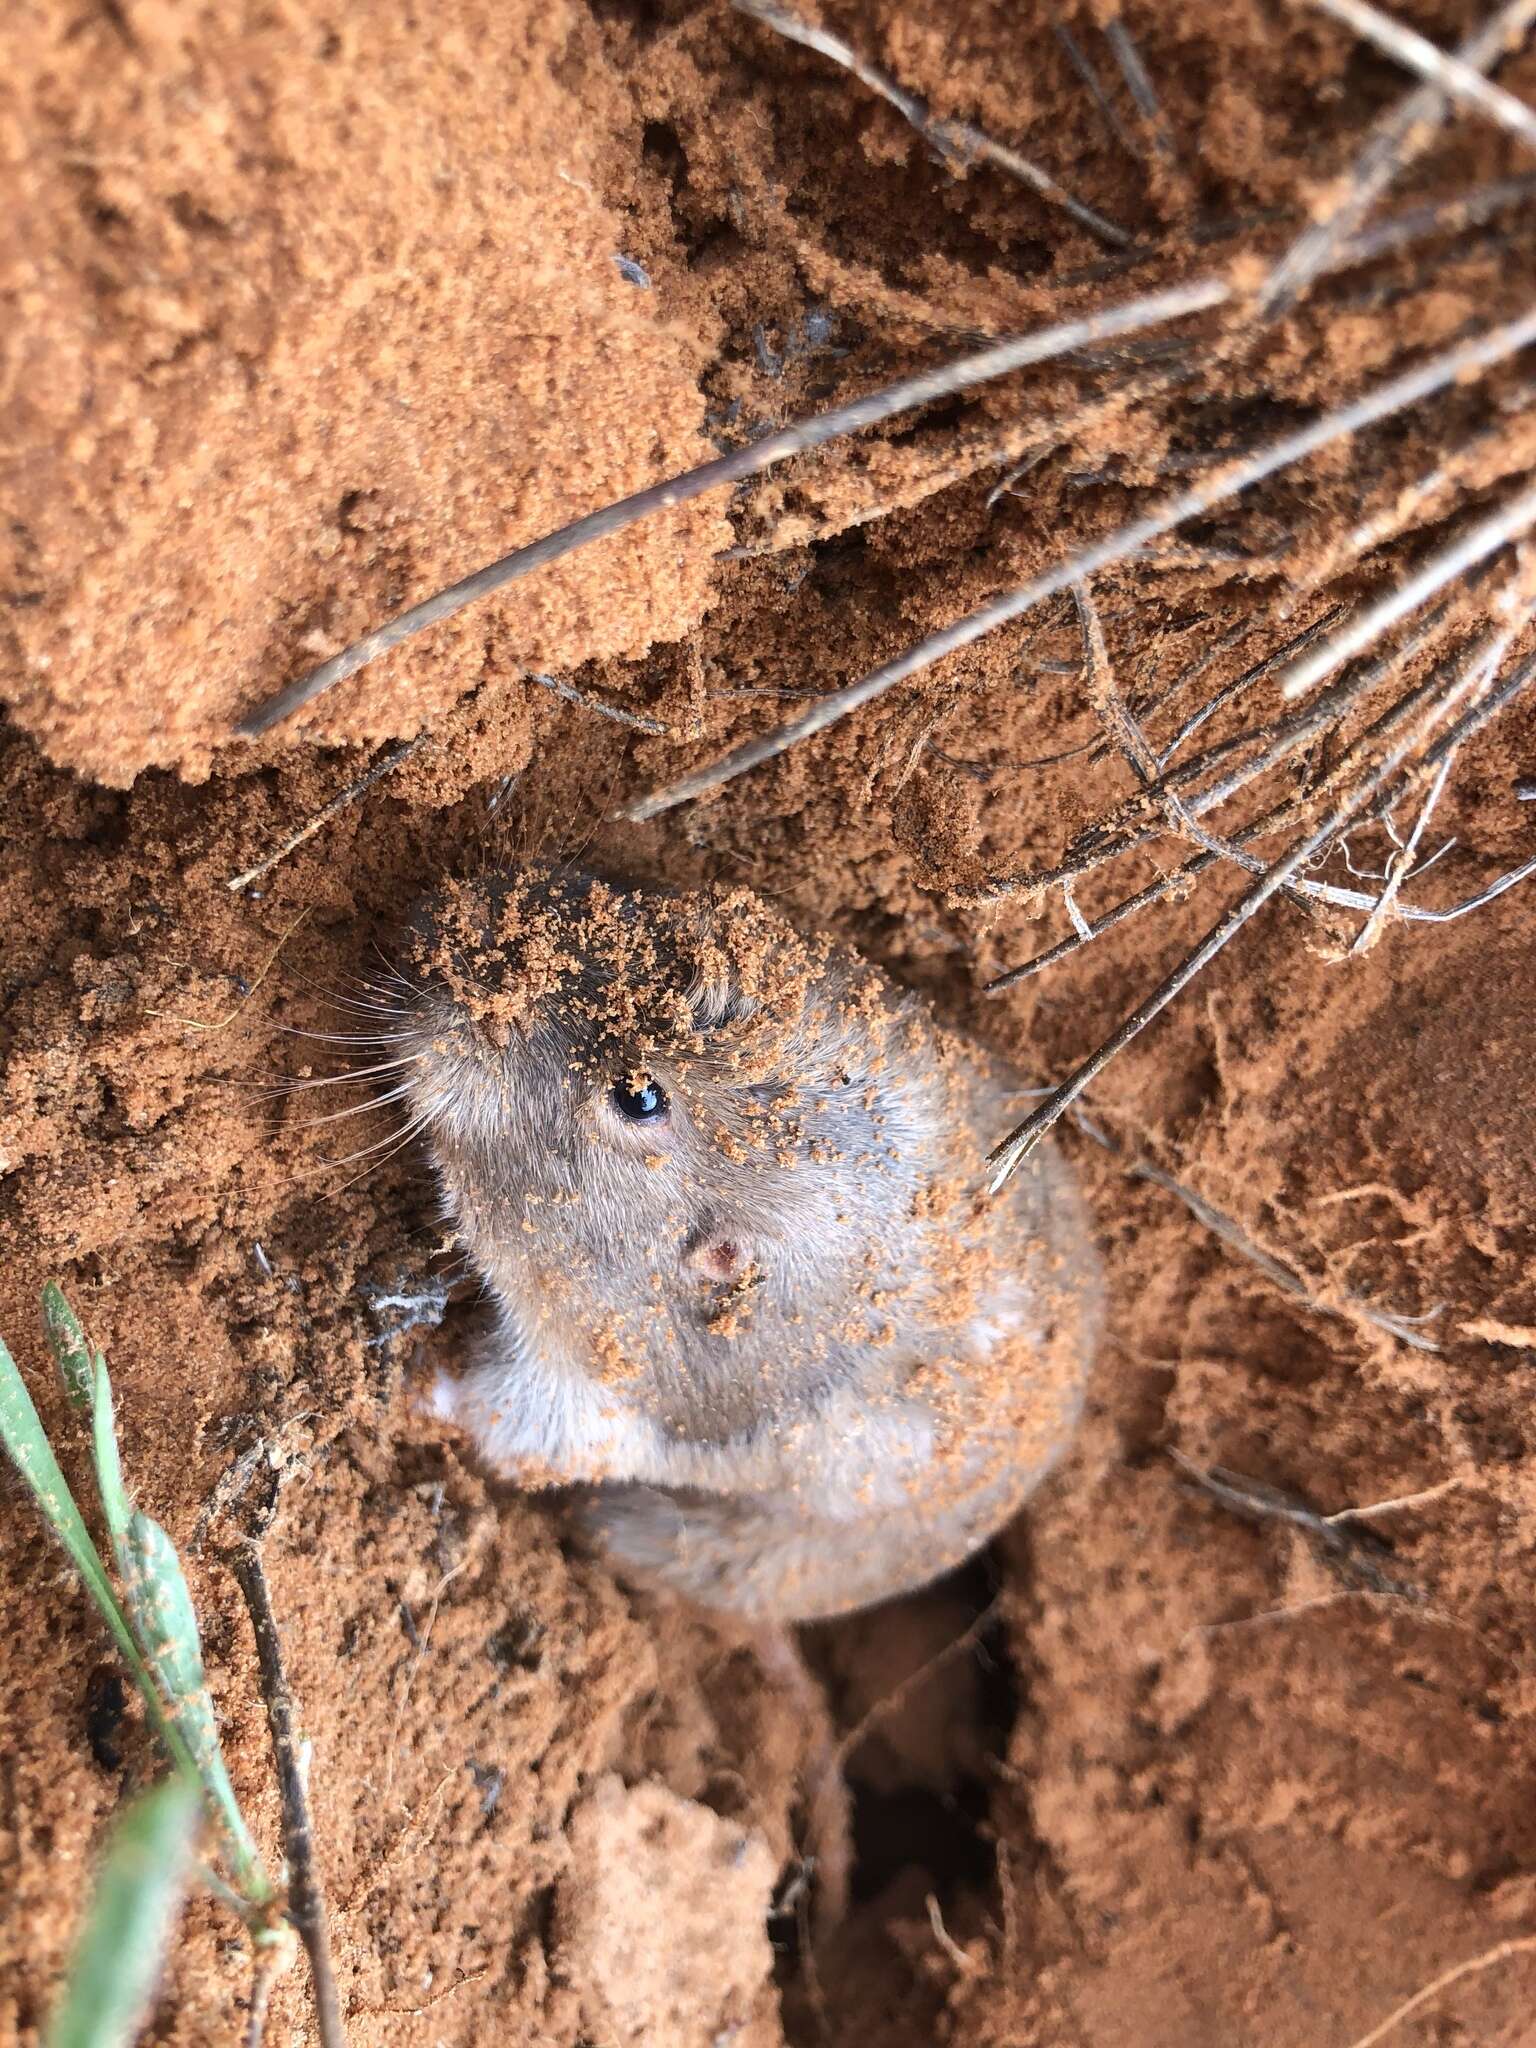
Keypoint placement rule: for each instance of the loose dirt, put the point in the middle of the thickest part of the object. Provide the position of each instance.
(306, 315)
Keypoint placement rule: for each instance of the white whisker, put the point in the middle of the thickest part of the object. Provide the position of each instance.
(344, 1037)
(374, 1102)
(339, 1001)
(412, 1130)
(344, 1078)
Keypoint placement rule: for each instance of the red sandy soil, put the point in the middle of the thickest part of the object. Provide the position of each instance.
(306, 315)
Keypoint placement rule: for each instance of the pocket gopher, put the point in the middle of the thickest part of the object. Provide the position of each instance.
(720, 1178)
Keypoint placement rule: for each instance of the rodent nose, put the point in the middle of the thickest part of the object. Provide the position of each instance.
(715, 1257)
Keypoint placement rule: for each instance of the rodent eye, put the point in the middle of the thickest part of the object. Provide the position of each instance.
(641, 1105)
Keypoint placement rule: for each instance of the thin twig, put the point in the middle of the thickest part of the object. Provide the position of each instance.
(1419, 1499)
(614, 711)
(1419, 54)
(1452, 365)
(1256, 674)
(1400, 135)
(1110, 839)
(1078, 59)
(1401, 508)
(1017, 1146)
(1395, 1603)
(1348, 1308)
(223, 1023)
(1501, 1951)
(1473, 720)
(420, 1643)
(1507, 524)
(821, 1796)
(1155, 892)
(385, 764)
(733, 468)
(1452, 216)
(1142, 91)
(1401, 863)
(1079, 922)
(1256, 1497)
(960, 1962)
(306, 1900)
(1341, 1549)
(954, 140)
(1306, 887)
(1138, 750)
(271, 1960)
(1020, 1141)
(1463, 211)
(1112, 710)
(412, 2012)
(890, 1702)
(1172, 885)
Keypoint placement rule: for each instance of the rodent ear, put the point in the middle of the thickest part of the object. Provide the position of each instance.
(717, 1258)
(716, 1002)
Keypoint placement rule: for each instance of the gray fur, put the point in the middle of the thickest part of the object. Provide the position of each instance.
(847, 1418)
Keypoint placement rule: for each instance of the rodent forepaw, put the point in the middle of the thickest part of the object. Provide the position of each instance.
(440, 1399)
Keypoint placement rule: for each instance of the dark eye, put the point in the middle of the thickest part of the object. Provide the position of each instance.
(640, 1104)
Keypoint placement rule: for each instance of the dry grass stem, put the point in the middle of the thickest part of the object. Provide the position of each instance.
(959, 143)
(1477, 675)
(1396, 139)
(306, 1900)
(1520, 1945)
(1344, 1550)
(384, 764)
(858, 414)
(1455, 365)
(1458, 80)
(1347, 1307)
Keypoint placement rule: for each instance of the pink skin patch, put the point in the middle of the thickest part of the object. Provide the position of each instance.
(720, 1260)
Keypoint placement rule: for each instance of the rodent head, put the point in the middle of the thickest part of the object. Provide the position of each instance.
(676, 1134)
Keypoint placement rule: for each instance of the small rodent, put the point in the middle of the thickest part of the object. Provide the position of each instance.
(720, 1178)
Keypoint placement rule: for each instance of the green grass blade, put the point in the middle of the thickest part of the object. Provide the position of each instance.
(109, 1470)
(162, 1613)
(72, 1354)
(27, 1445)
(138, 1894)
(89, 1388)
(163, 1621)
